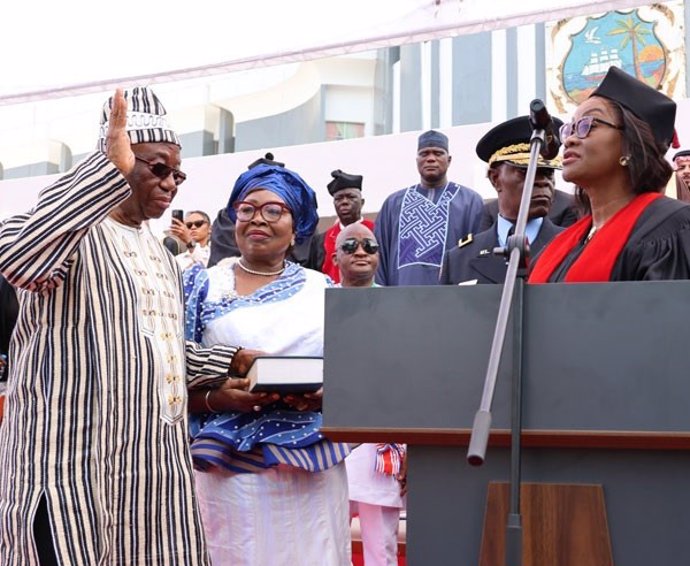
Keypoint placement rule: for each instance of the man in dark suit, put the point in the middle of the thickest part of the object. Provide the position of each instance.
(506, 149)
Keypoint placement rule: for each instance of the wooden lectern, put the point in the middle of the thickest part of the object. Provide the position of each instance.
(606, 402)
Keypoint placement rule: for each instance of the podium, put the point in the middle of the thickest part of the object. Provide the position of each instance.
(606, 401)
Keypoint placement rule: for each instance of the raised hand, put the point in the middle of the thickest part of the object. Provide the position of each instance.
(118, 145)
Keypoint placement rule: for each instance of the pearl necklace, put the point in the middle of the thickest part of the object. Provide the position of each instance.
(260, 273)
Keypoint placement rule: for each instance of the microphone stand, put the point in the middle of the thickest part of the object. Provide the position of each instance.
(517, 249)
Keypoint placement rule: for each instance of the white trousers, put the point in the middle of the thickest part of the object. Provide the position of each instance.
(379, 528)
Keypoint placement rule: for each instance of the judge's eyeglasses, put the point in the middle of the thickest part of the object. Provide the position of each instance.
(162, 171)
(350, 245)
(583, 126)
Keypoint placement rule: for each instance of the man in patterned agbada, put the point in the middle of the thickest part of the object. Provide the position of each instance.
(418, 224)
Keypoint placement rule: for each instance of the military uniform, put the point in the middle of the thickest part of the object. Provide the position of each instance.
(473, 260)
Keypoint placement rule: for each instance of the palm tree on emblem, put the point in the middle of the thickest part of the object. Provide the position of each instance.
(634, 34)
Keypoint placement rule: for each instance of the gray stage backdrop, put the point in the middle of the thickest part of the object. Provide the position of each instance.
(597, 357)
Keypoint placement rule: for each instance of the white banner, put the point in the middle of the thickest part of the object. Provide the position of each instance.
(57, 49)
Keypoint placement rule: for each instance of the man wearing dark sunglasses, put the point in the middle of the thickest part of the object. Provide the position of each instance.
(195, 234)
(356, 256)
(506, 149)
(376, 491)
(346, 190)
(102, 369)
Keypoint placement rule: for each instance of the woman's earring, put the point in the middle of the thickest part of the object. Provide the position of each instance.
(624, 160)
(292, 242)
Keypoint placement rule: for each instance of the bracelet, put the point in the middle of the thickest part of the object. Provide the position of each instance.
(208, 406)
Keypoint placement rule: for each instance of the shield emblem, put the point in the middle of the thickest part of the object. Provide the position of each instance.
(618, 39)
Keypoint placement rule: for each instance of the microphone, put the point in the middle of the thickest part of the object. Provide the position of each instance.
(540, 119)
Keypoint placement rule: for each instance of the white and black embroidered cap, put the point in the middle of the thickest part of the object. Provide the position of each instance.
(147, 120)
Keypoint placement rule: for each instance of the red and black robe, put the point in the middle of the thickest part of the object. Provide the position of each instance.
(649, 239)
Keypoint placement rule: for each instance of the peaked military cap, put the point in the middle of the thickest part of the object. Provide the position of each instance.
(509, 142)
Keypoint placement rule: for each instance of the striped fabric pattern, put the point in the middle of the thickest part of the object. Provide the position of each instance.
(209, 453)
(85, 424)
(147, 120)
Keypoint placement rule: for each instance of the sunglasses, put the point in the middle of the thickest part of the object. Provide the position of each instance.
(270, 211)
(369, 245)
(162, 171)
(195, 224)
(583, 126)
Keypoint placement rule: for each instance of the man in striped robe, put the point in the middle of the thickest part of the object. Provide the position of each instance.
(94, 460)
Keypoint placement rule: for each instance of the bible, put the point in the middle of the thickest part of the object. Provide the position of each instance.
(285, 374)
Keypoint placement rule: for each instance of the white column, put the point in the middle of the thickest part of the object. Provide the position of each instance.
(499, 84)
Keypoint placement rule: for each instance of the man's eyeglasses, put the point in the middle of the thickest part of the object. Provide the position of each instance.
(195, 224)
(162, 171)
(583, 126)
(270, 211)
(350, 245)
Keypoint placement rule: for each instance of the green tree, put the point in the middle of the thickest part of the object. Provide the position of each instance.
(633, 34)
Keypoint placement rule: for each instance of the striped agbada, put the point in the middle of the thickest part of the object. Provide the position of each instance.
(95, 421)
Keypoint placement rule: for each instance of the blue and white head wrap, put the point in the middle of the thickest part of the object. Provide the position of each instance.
(289, 186)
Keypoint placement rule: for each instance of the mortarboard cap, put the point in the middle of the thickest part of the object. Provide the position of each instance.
(342, 180)
(266, 160)
(432, 138)
(648, 104)
(509, 142)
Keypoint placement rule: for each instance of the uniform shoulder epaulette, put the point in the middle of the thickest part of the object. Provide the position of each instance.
(466, 240)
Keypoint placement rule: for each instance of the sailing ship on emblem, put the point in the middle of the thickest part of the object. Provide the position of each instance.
(599, 62)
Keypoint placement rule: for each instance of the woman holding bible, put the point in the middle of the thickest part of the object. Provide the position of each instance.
(271, 489)
(614, 152)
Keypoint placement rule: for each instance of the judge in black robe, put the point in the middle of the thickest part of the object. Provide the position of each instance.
(506, 149)
(615, 153)
(657, 248)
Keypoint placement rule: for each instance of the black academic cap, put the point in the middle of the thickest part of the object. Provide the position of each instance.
(432, 138)
(342, 180)
(647, 103)
(266, 160)
(509, 142)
